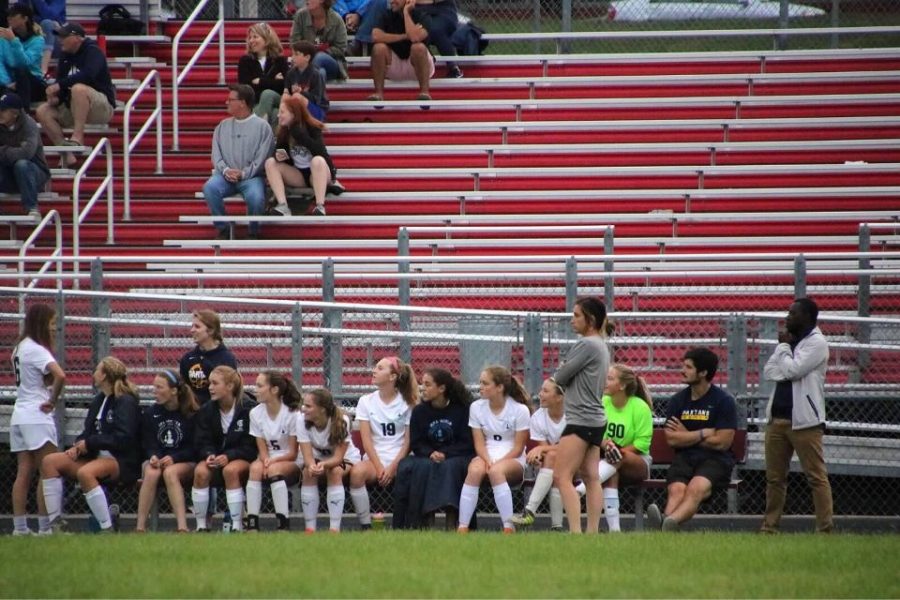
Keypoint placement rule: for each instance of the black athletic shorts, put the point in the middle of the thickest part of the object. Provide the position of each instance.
(687, 466)
(591, 435)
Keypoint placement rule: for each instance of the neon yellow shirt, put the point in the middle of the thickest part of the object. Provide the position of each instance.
(631, 425)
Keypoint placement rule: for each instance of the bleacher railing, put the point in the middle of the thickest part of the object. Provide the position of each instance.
(29, 243)
(177, 78)
(153, 119)
(79, 214)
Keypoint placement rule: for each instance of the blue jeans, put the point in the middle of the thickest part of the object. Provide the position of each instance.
(24, 177)
(217, 188)
(370, 20)
(327, 65)
(51, 40)
(440, 21)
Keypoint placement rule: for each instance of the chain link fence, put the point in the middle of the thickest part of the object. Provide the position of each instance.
(622, 16)
(338, 345)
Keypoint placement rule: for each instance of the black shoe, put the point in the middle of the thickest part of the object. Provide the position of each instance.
(222, 234)
(251, 523)
(284, 523)
(335, 188)
(453, 72)
(114, 516)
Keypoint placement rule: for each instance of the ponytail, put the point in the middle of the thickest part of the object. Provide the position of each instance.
(187, 402)
(339, 428)
(512, 387)
(287, 391)
(117, 374)
(406, 382)
(633, 384)
(455, 391)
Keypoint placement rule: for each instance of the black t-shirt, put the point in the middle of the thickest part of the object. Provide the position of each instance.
(392, 22)
(716, 409)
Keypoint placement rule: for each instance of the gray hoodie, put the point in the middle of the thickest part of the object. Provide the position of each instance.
(22, 140)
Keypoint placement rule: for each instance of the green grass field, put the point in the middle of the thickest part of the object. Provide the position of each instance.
(486, 565)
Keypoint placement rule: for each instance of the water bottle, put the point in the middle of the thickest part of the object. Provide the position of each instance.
(226, 521)
(378, 521)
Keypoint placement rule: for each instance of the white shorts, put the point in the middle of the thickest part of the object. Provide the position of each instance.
(30, 437)
(402, 69)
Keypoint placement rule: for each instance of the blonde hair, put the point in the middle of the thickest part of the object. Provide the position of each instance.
(633, 384)
(273, 44)
(232, 380)
(117, 375)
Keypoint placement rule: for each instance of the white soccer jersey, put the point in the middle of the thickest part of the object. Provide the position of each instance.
(543, 429)
(277, 432)
(318, 439)
(387, 423)
(30, 363)
(499, 430)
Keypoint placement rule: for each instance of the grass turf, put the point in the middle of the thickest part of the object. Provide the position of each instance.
(401, 564)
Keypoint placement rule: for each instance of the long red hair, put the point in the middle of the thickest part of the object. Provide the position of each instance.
(300, 116)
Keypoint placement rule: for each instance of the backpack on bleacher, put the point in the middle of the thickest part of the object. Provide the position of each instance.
(467, 39)
(116, 20)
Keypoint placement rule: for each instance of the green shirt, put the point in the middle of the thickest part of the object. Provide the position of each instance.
(631, 425)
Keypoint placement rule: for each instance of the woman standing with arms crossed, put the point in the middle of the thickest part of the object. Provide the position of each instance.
(209, 353)
(109, 448)
(225, 447)
(499, 422)
(582, 376)
(383, 419)
(32, 430)
(629, 431)
(168, 441)
(328, 453)
(274, 425)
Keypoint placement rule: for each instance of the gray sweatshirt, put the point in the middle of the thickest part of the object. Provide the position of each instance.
(583, 376)
(22, 141)
(242, 144)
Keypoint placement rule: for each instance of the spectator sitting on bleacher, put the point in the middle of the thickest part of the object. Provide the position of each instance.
(306, 82)
(49, 13)
(83, 92)
(325, 29)
(440, 19)
(22, 164)
(301, 158)
(400, 52)
(264, 68)
(700, 424)
(241, 144)
(21, 47)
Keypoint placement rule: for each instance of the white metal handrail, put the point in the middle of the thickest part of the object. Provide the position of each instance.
(177, 78)
(53, 215)
(106, 185)
(129, 144)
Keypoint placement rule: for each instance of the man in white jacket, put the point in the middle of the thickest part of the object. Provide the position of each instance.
(796, 414)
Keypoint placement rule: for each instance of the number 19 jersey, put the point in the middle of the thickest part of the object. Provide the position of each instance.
(387, 423)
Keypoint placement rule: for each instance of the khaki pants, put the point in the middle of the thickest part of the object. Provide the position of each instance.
(781, 443)
(99, 113)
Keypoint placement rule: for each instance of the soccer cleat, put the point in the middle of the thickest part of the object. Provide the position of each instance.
(462, 529)
(526, 519)
(114, 517)
(509, 530)
(284, 523)
(203, 530)
(26, 532)
(58, 525)
(670, 524)
(654, 517)
(251, 523)
(557, 528)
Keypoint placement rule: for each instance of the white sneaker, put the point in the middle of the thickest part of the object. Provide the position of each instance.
(17, 533)
(283, 209)
(35, 213)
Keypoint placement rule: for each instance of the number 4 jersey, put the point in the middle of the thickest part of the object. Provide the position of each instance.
(387, 422)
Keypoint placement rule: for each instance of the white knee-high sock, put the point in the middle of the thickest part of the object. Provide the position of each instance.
(611, 508)
(606, 471)
(280, 497)
(556, 508)
(235, 499)
(468, 500)
(309, 499)
(254, 497)
(360, 498)
(503, 500)
(200, 496)
(96, 501)
(53, 491)
(336, 498)
(542, 484)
